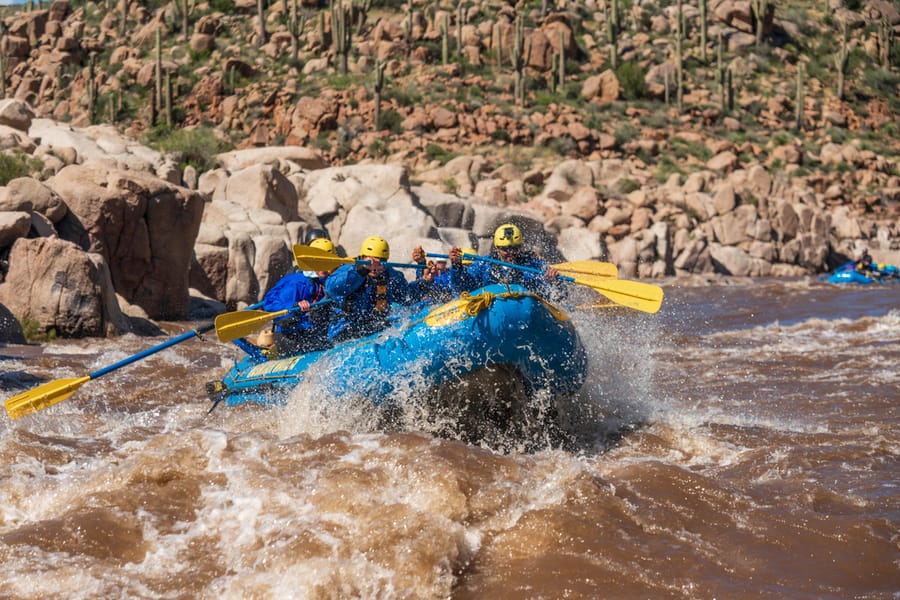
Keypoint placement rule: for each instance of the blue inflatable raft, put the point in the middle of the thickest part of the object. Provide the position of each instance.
(848, 273)
(500, 328)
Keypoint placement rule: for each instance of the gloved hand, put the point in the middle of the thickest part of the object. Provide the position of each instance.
(456, 257)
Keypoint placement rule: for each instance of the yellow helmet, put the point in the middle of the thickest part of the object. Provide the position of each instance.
(375, 246)
(323, 244)
(468, 261)
(507, 236)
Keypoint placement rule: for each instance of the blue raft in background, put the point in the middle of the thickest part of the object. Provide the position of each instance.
(848, 273)
(495, 326)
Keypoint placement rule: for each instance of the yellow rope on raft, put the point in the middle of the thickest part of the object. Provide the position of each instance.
(468, 306)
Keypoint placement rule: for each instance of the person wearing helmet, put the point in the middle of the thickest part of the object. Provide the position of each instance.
(306, 331)
(508, 248)
(314, 234)
(362, 293)
(865, 266)
(441, 289)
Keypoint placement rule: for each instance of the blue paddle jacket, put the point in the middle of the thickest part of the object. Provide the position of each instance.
(481, 273)
(290, 290)
(441, 288)
(359, 307)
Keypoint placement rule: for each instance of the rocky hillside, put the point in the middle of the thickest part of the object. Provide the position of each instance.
(673, 138)
(527, 83)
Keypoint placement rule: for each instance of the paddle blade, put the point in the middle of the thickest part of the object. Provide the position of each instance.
(593, 268)
(315, 259)
(644, 297)
(234, 325)
(43, 396)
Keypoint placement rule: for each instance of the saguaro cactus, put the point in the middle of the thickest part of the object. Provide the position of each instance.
(498, 43)
(123, 17)
(341, 34)
(562, 59)
(459, 30)
(679, 58)
(445, 39)
(519, 60)
(703, 29)
(157, 92)
(379, 85)
(168, 102)
(798, 101)
(261, 16)
(729, 78)
(614, 15)
(4, 62)
(612, 38)
(840, 59)
(720, 70)
(185, 13)
(885, 41)
(295, 31)
(92, 88)
(760, 8)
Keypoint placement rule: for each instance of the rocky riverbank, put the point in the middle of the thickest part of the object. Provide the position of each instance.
(111, 235)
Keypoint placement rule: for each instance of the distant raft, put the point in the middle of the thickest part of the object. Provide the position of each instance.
(498, 327)
(848, 273)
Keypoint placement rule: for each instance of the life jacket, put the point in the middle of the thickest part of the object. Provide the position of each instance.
(378, 293)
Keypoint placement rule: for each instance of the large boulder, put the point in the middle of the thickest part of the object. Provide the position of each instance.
(144, 228)
(15, 114)
(27, 194)
(263, 186)
(13, 225)
(376, 200)
(61, 287)
(285, 157)
(98, 142)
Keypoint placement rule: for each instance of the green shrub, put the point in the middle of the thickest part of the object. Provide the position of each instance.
(501, 135)
(378, 149)
(665, 168)
(562, 146)
(884, 85)
(626, 185)
(438, 153)
(34, 333)
(225, 6)
(17, 164)
(631, 78)
(625, 133)
(390, 120)
(404, 97)
(781, 138)
(196, 147)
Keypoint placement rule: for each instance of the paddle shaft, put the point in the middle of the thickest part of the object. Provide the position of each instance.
(394, 265)
(639, 296)
(503, 263)
(234, 325)
(52, 392)
(159, 347)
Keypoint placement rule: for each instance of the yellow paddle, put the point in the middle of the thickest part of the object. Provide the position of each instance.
(241, 323)
(644, 297)
(43, 396)
(315, 259)
(588, 267)
(52, 392)
(48, 394)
